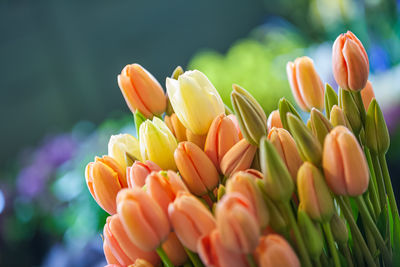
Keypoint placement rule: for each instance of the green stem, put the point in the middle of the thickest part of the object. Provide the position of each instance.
(347, 254)
(324, 259)
(379, 181)
(317, 262)
(164, 258)
(194, 258)
(372, 184)
(250, 260)
(356, 232)
(369, 205)
(389, 187)
(371, 244)
(331, 243)
(299, 240)
(212, 196)
(357, 252)
(369, 223)
(360, 105)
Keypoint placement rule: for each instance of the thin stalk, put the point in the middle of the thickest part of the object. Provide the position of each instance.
(317, 262)
(212, 196)
(357, 252)
(372, 184)
(164, 258)
(194, 258)
(371, 244)
(324, 259)
(347, 254)
(331, 243)
(250, 260)
(369, 206)
(360, 105)
(388, 186)
(379, 181)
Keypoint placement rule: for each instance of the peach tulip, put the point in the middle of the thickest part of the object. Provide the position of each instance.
(233, 118)
(367, 94)
(274, 120)
(238, 158)
(176, 127)
(136, 175)
(174, 250)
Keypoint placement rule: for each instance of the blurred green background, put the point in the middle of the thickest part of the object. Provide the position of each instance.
(60, 101)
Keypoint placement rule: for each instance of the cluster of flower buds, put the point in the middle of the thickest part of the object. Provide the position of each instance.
(201, 186)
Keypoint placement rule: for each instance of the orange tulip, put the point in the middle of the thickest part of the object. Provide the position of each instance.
(350, 62)
(367, 94)
(237, 223)
(274, 250)
(213, 253)
(274, 120)
(136, 175)
(163, 187)
(198, 139)
(287, 149)
(174, 250)
(121, 247)
(110, 258)
(197, 170)
(144, 221)
(307, 87)
(233, 118)
(141, 263)
(238, 158)
(190, 219)
(344, 163)
(221, 136)
(176, 127)
(142, 91)
(105, 178)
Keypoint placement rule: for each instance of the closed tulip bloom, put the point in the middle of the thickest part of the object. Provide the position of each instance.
(195, 101)
(367, 94)
(233, 118)
(199, 140)
(339, 118)
(157, 143)
(176, 127)
(320, 125)
(110, 258)
(274, 250)
(350, 62)
(142, 91)
(163, 187)
(377, 137)
(124, 148)
(307, 86)
(287, 149)
(238, 158)
(174, 250)
(190, 219)
(136, 175)
(144, 221)
(105, 178)
(213, 253)
(274, 120)
(121, 246)
(197, 170)
(237, 223)
(221, 136)
(344, 163)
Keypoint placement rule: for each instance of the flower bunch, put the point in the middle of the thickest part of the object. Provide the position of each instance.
(204, 185)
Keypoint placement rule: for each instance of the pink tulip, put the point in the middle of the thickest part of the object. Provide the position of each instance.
(136, 175)
(367, 94)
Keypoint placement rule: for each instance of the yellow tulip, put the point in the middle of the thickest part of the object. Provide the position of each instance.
(124, 148)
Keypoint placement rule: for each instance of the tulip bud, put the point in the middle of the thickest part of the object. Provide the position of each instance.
(221, 191)
(278, 182)
(237, 223)
(197, 170)
(339, 229)
(233, 118)
(178, 71)
(320, 126)
(245, 184)
(220, 138)
(212, 252)
(349, 106)
(274, 120)
(190, 219)
(331, 99)
(238, 158)
(176, 127)
(344, 163)
(123, 148)
(142, 91)
(136, 175)
(284, 108)
(339, 118)
(144, 221)
(195, 100)
(274, 250)
(174, 250)
(350, 62)
(367, 94)
(376, 132)
(196, 139)
(309, 147)
(314, 193)
(121, 247)
(250, 115)
(311, 236)
(105, 178)
(157, 143)
(287, 149)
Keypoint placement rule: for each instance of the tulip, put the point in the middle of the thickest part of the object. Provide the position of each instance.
(274, 250)
(314, 194)
(238, 158)
(367, 94)
(105, 178)
(136, 175)
(163, 187)
(285, 107)
(110, 258)
(142, 91)
(197, 170)
(199, 140)
(350, 108)
(233, 118)
(311, 234)
(124, 148)
(377, 137)
(212, 252)
(274, 120)
(245, 184)
(287, 149)
(144, 221)
(307, 87)
(174, 250)
(141, 263)
(176, 127)
(121, 247)
(350, 62)
(320, 126)
(339, 118)
(331, 99)
(195, 101)
(344, 163)
(157, 143)
(190, 219)
(221, 136)
(237, 223)
(339, 229)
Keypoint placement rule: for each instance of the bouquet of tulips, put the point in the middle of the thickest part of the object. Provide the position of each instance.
(206, 186)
